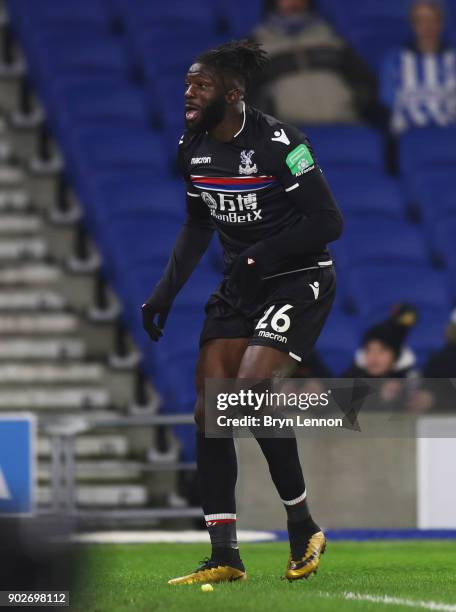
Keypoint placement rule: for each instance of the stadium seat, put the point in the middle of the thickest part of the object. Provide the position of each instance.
(143, 13)
(139, 237)
(429, 333)
(369, 192)
(346, 146)
(166, 99)
(425, 149)
(380, 240)
(126, 192)
(125, 146)
(375, 287)
(338, 341)
(59, 14)
(442, 234)
(135, 249)
(373, 39)
(434, 193)
(371, 27)
(179, 56)
(79, 99)
(63, 54)
(241, 17)
(353, 11)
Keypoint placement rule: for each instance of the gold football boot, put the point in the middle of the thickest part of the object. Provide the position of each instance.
(211, 572)
(308, 564)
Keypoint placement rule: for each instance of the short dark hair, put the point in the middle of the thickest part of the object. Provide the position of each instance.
(241, 58)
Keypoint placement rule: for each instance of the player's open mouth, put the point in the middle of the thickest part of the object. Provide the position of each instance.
(191, 113)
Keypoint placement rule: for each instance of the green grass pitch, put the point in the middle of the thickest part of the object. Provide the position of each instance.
(353, 576)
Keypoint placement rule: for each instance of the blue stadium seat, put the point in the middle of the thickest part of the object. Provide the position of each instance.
(443, 233)
(143, 13)
(371, 27)
(179, 55)
(373, 38)
(346, 146)
(428, 334)
(127, 192)
(353, 11)
(59, 14)
(338, 341)
(433, 192)
(444, 246)
(380, 240)
(124, 147)
(368, 192)
(166, 102)
(116, 9)
(242, 17)
(375, 287)
(80, 99)
(183, 328)
(425, 149)
(85, 54)
(338, 252)
(140, 237)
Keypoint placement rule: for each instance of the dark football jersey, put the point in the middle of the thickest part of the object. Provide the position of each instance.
(243, 184)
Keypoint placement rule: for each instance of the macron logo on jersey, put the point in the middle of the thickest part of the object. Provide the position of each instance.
(280, 136)
(201, 160)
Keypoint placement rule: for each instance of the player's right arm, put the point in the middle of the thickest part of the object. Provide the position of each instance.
(191, 244)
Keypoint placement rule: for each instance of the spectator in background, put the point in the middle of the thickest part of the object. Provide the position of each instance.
(383, 353)
(313, 76)
(418, 83)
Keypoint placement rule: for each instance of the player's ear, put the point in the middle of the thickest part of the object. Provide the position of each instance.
(233, 96)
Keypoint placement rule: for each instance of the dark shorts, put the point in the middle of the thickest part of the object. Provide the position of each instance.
(291, 313)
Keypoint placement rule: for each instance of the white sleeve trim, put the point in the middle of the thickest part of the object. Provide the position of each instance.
(295, 186)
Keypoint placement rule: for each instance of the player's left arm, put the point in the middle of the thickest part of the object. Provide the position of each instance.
(292, 161)
(307, 190)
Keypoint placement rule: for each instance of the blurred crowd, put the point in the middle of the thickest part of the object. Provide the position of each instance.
(315, 77)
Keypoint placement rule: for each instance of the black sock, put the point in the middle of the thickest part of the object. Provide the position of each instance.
(227, 556)
(222, 533)
(297, 509)
(284, 466)
(217, 470)
(299, 533)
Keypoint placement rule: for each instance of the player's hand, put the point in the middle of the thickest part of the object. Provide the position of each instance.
(245, 280)
(154, 314)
